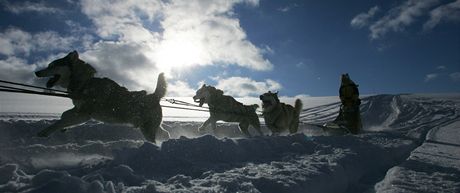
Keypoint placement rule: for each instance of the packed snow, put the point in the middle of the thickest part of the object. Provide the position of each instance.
(410, 143)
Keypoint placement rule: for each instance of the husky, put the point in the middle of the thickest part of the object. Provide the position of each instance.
(349, 114)
(226, 108)
(103, 99)
(278, 116)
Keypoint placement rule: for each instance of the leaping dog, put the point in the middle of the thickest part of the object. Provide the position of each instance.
(278, 116)
(226, 108)
(103, 99)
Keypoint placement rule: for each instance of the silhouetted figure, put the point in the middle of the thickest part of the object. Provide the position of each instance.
(349, 115)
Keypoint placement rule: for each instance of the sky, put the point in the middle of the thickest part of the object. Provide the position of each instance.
(244, 47)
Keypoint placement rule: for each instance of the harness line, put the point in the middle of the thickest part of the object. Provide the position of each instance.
(27, 91)
(31, 86)
(172, 101)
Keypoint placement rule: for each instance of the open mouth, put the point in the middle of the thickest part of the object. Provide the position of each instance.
(266, 103)
(52, 81)
(199, 100)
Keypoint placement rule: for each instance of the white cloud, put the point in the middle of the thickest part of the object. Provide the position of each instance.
(447, 12)
(362, 19)
(27, 6)
(399, 17)
(244, 87)
(206, 33)
(16, 69)
(15, 41)
(124, 62)
(180, 89)
(441, 67)
(194, 32)
(140, 38)
(430, 77)
(122, 20)
(455, 76)
(287, 7)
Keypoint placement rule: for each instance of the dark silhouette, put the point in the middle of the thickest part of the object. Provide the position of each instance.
(349, 115)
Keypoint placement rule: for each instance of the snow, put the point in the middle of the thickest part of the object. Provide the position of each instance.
(410, 144)
(432, 167)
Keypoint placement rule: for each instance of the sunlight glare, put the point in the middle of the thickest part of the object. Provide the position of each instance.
(177, 54)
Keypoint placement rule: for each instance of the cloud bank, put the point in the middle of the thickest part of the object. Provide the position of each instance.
(244, 86)
(189, 33)
(132, 41)
(401, 16)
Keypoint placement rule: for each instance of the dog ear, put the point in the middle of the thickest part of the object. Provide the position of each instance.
(73, 55)
(204, 85)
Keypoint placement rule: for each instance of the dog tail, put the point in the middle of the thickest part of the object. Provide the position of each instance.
(298, 107)
(293, 128)
(160, 91)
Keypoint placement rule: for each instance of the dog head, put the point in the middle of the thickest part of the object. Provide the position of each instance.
(269, 100)
(204, 93)
(64, 69)
(345, 79)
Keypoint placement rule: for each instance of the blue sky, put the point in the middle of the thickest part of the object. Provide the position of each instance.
(245, 47)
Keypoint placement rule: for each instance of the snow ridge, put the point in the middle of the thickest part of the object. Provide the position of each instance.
(97, 157)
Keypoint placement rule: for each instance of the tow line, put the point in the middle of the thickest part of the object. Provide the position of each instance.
(16, 88)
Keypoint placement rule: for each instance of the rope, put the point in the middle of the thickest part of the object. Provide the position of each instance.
(27, 91)
(179, 102)
(33, 92)
(173, 107)
(26, 85)
(172, 101)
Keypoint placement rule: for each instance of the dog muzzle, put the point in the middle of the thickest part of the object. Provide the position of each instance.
(52, 81)
(199, 100)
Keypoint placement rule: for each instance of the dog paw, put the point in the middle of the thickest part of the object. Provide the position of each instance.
(203, 131)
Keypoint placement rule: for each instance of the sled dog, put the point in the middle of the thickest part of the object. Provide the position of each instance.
(226, 108)
(278, 116)
(349, 114)
(103, 99)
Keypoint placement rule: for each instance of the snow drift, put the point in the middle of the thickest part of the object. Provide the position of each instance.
(97, 157)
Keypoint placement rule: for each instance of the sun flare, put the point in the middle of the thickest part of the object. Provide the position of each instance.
(176, 55)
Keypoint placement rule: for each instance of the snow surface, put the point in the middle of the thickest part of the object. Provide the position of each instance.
(410, 144)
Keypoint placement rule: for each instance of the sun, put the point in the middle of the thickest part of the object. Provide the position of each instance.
(178, 54)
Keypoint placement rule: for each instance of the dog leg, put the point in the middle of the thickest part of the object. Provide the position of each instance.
(148, 130)
(204, 125)
(162, 134)
(68, 118)
(275, 131)
(213, 124)
(244, 128)
(257, 127)
(294, 127)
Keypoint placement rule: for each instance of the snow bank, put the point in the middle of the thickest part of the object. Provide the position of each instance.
(432, 167)
(97, 157)
(262, 164)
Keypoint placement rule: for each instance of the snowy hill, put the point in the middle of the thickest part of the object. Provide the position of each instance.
(411, 144)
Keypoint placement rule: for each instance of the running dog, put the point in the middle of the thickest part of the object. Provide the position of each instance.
(226, 108)
(103, 99)
(278, 116)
